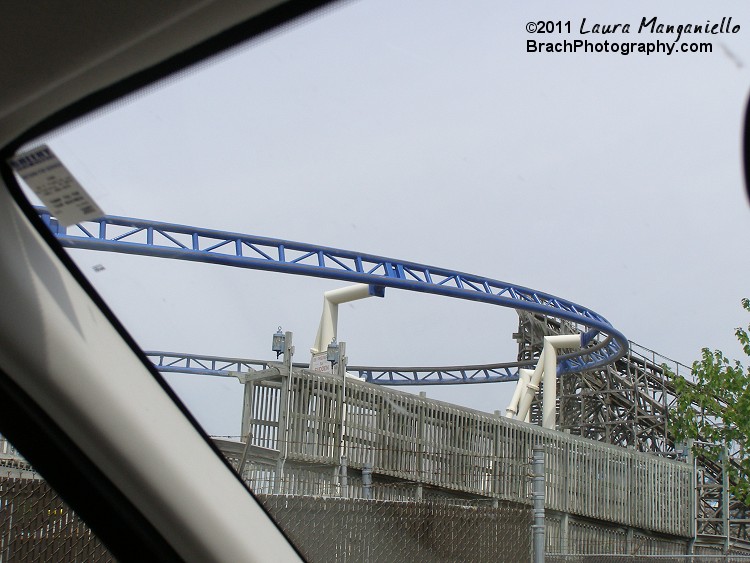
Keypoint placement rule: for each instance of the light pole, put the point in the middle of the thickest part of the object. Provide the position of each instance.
(336, 354)
(282, 344)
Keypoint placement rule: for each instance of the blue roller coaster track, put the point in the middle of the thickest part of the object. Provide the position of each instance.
(602, 343)
(175, 362)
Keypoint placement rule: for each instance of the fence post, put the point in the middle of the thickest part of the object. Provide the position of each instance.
(537, 494)
(725, 496)
(247, 424)
(282, 438)
(693, 461)
(565, 518)
(367, 481)
(629, 541)
(420, 439)
(341, 432)
(343, 478)
(564, 533)
(247, 405)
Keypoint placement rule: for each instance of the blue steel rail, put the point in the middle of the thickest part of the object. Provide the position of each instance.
(603, 344)
(176, 362)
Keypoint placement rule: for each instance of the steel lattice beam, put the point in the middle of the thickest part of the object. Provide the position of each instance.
(603, 344)
(177, 362)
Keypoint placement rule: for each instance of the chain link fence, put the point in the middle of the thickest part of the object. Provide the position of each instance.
(340, 530)
(36, 526)
(338, 516)
(605, 558)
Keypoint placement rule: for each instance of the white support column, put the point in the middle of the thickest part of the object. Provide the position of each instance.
(530, 390)
(546, 368)
(549, 393)
(524, 376)
(549, 400)
(330, 316)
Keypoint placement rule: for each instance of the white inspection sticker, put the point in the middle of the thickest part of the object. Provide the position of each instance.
(59, 191)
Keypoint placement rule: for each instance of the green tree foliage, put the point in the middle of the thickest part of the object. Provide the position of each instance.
(716, 409)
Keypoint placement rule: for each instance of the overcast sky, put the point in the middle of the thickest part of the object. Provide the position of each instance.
(425, 131)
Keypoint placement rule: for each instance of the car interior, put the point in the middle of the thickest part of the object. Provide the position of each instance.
(79, 430)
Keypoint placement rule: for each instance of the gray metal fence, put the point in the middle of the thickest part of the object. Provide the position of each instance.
(569, 535)
(457, 449)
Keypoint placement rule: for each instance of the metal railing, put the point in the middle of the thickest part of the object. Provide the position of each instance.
(457, 449)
